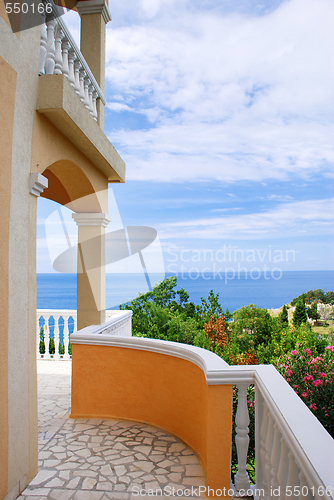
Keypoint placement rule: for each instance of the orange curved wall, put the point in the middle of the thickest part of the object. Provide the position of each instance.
(161, 390)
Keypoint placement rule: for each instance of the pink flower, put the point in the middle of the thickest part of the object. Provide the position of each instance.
(308, 377)
(304, 395)
(330, 348)
(289, 373)
(293, 352)
(313, 406)
(322, 374)
(316, 382)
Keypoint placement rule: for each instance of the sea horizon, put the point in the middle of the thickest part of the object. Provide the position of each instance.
(58, 290)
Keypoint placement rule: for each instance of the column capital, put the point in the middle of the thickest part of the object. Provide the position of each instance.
(37, 183)
(91, 219)
(94, 7)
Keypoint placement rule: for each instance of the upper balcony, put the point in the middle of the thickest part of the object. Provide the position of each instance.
(70, 95)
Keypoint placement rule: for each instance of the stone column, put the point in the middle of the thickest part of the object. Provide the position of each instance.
(94, 16)
(91, 285)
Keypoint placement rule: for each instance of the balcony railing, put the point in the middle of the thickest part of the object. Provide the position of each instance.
(293, 452)
(59, 324)
(59, 54)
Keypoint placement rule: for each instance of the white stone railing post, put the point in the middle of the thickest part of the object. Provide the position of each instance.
(242, 439)
(56, 336)
(66, 336)
(46, 340)
(59, 54)
(50, 47)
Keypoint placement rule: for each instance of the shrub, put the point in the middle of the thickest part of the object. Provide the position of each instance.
(311, 376)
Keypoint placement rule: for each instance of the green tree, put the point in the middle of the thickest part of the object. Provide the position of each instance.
(312, 312)
(299, 315)
(252, 325)
(284, 318)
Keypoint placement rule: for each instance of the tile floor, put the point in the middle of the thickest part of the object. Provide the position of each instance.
(103, 459)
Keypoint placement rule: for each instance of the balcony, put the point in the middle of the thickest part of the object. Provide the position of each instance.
(128, 390)
(70, 96)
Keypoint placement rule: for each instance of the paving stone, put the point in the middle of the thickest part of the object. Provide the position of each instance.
(55, 483)
(73, 483)
(41, 477)
(61, 494)
(107, 470)
(88, 483)
(36, 492)
(191, 459)
(120, 470)
(146, 466)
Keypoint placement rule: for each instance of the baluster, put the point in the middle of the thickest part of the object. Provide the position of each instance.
(242, 439)
(51, 47)
(43, 46)
(46, 339)
(90, 94)
(38, 339)
(77, 66)
(275, 456)
(71, 57)
(65, 45)
(268, 445)
(94, 96)
(282, 473)
(292, 472)
(82, 88)
(56, 336)
(58, 57)
(305, 491)
(86, 85)
(66, 337)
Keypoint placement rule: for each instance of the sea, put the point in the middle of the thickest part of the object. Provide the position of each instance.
(58, 290)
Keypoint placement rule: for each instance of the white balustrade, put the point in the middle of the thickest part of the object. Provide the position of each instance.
(59, 54)
(285, 461)
(117, 323)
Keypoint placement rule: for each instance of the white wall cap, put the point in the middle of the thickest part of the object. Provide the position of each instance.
(37, 183)
(91, 219)
(94, 7)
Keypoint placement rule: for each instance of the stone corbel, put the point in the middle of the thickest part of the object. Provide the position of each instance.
(37, 183)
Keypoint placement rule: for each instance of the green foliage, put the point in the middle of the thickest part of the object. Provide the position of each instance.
(252, 326)
(284, 318)
(312, 312)
(299, 315)
(166, 313)
(315, 296)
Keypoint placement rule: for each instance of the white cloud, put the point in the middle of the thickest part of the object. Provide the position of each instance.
(289, 219)
(231, 97)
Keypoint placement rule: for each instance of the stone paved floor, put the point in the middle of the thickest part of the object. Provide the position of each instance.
(103, 459)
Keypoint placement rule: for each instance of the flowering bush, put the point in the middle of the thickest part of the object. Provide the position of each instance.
(312, 379)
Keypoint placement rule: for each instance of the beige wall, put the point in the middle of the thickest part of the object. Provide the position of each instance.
(19, 77)
(8, 87)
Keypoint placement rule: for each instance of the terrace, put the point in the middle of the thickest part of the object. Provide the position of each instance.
(136, 403)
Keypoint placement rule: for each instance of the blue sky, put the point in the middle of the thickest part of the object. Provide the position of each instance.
(223, 111)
